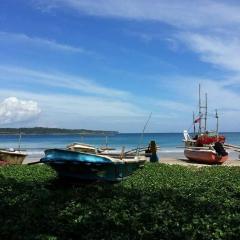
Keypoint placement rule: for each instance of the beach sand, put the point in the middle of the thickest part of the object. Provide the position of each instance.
(163, 160)
(186, 162)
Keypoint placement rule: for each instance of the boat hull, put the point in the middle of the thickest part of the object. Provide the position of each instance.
(204, 156)
(95, 171)
(7, 157)
(84, 166)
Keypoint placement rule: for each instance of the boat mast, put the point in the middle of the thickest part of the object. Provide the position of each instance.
(19, 139)
(194, 126)
(217, 121)
(200, 110)
(106, 139)
(204, 107)
(205, 117)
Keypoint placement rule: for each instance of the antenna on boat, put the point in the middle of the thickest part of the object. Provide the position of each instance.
(144, 128)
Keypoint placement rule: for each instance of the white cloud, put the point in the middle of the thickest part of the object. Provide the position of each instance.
(13, 110)
(207, 22)
(69, 111)
(57, 80)
(41, 42)
(222, 51)
(186, 13)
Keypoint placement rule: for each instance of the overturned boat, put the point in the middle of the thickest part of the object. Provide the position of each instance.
(90, 166)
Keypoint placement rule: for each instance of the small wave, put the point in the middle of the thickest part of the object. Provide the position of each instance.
(35, 152)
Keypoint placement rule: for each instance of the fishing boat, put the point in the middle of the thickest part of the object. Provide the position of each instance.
(11, 156)
(82, 147)
(90, 166)
(205, 147)
(109, 151)
(106, 147)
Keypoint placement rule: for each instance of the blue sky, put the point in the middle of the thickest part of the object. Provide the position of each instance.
(106, 64)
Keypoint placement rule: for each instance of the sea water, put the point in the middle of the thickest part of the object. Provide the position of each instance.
(171, 144)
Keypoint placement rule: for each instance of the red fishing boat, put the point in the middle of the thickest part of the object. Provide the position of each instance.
(204, 147)
(205, 155)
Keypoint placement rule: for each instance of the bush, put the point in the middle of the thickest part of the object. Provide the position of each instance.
(156, 202)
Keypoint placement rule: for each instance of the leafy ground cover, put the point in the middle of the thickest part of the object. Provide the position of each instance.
(156, 202)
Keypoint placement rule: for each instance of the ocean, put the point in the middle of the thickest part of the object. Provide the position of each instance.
(171, 144)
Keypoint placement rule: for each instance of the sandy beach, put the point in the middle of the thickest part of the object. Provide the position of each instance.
(164, 160)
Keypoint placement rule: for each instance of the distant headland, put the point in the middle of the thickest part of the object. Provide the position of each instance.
(55, 131)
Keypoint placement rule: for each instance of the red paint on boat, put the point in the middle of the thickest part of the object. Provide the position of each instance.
(206, 140)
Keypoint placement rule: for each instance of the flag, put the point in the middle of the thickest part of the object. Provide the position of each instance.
(198, 119)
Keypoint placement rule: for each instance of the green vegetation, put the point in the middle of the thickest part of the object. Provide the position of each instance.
(156, 202)
(42, 130)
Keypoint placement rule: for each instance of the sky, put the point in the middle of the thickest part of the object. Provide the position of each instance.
(107, 64)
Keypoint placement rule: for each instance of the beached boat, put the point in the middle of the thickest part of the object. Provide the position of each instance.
(108, 151)
(206, 147)
(207, 156)
(89, 166)
(82, 147)
(11, 156)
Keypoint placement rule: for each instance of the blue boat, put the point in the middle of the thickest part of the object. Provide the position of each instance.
(88, 166)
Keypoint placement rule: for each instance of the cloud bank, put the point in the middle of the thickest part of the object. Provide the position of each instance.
(13, 110)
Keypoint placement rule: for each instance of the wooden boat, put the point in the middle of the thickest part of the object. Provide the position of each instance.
(11, 157)
(205, 147)
(82, 147)
(89, 166)
(202, 155)
(108, 151)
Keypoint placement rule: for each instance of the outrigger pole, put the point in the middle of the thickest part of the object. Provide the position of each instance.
(144, 128)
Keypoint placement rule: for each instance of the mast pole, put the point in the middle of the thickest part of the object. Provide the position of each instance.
(106, 139)
(194, 126)
(217, 121)
(200, 111)
(206, 107)
(19, 139)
